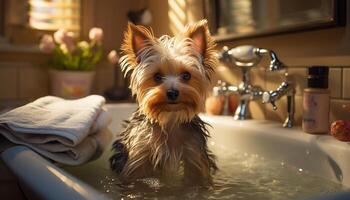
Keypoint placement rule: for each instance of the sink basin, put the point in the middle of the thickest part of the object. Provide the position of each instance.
(320, 156)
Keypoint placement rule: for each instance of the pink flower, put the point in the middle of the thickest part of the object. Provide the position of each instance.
(96, 35)
(113, 57)
(47, 44)
(63, 37)
(59, 35)
(69, 40)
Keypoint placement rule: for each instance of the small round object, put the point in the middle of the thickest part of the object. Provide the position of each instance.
(340, 129)
(214, 105)
(186, 76)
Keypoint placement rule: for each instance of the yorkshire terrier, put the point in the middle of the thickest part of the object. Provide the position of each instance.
(170, 78)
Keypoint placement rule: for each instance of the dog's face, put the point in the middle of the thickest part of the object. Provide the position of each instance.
(170, 77)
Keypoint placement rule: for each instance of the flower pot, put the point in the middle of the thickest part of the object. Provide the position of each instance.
(71, 84)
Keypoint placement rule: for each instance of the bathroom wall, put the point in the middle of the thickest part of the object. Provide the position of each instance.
(24, 77)
(23, 69)
(329, 46)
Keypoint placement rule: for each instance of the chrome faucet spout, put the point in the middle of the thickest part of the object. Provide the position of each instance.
(275, 63)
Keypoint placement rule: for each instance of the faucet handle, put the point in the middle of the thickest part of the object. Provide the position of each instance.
(267, 98)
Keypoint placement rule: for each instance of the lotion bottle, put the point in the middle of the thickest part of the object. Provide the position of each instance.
(316, 101)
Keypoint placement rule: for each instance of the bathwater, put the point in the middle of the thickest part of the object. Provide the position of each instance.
(240, 176)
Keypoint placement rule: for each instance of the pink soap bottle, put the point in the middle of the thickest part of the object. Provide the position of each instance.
(316, 101)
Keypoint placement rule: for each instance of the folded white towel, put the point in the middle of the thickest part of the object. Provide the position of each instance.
(66, 131)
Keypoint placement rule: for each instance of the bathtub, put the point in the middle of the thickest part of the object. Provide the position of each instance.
(320, 155)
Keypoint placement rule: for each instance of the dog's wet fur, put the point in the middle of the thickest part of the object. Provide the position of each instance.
(170, 78)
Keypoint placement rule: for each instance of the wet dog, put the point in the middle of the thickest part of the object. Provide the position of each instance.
(170, 78)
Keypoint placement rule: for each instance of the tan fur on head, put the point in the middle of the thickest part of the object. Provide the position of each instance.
(145, 56)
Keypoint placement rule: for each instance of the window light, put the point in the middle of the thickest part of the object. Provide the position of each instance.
(54, 14)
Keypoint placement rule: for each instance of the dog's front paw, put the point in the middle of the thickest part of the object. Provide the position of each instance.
(119, 158)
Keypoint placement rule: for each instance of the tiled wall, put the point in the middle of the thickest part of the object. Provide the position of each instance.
(339, 86)
(21, 82)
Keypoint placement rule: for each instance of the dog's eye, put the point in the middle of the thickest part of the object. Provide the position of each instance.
(158, 77)
(186, 76)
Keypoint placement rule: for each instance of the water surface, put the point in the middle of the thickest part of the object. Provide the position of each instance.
(241, 176)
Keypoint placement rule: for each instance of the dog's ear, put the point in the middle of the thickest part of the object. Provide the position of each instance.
(203, 44)
(140, 36)
(136, 38)
(198, 32)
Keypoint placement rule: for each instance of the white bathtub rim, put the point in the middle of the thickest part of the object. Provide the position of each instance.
(44, 179)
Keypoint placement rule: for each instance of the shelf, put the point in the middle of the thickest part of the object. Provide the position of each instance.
(331, 61)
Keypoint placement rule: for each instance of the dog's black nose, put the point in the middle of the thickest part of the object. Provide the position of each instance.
(172, 94)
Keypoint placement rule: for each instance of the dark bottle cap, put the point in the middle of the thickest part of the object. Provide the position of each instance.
(318, 71)
(318, 77)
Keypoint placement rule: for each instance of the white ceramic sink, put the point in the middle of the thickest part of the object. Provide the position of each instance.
(320, 154)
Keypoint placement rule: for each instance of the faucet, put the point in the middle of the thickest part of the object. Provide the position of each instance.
(285, 88)
(246, 57)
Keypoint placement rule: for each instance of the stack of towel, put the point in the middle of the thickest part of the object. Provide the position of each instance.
(66, 131)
